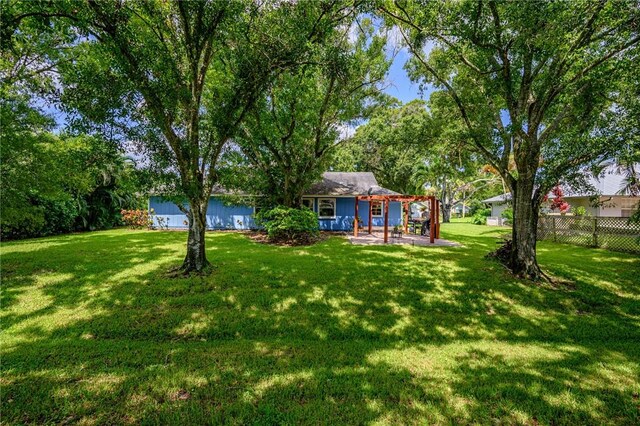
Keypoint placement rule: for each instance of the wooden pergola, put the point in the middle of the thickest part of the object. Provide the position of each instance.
(434, 213)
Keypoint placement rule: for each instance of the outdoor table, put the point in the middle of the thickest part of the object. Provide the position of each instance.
(415, 225)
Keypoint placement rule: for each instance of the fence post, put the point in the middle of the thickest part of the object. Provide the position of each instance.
(553, 226)
(595, 232)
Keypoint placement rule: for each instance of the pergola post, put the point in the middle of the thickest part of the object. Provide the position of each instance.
(406, 217)
(386, 220)
(432, 224)
(404, 200)
(437, 218)
(355, 220)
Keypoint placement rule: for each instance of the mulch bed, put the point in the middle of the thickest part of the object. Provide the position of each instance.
(262, 238)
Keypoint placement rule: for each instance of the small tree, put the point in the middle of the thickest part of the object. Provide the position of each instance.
(558, 202)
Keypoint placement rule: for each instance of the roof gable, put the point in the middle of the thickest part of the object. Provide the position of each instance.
(348, 183)
(334, 184)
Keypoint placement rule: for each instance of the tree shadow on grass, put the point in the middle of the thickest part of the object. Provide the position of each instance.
(331, 333)
(73, 272)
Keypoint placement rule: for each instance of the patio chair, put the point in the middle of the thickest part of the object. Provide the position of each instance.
(425, 228)
(413, 226)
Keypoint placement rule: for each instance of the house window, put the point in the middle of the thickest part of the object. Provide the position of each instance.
(327, 208)
(376, 208)
(628, 206)
(308, 203)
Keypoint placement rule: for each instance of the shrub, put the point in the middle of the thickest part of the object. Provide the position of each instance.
(581, 211)
(286, 224)
(474, 206)
(508, 215)
(558, 202)
(42, 216)
(60, 216)
(480, 216)
(503, 253)
(137, 219)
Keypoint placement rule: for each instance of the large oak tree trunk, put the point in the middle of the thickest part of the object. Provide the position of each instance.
(196, 258)
(291, 193)
(446, 212)
(525, 223)
(446, 200)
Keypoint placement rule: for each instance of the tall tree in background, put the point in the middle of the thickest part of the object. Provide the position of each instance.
(412, 149)
(393, 145)
(529, 80)
(453, 172)
(179, 77)
(294, 126)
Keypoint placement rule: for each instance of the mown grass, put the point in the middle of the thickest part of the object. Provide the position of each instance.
(93, 332)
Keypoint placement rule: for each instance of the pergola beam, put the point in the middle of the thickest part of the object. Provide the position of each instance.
(432, 222)
(437, 230)
(409, 198)
(405, 206)
(386, 221)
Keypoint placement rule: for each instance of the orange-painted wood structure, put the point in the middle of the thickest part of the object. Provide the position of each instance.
(434, 212)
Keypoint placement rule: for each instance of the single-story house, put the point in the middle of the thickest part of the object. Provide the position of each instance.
(498, 204)
(333, 198)
(607, 201)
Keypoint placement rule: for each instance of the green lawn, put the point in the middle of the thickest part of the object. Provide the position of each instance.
(94, 332)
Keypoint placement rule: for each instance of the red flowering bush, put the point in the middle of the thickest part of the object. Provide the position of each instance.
(137, 219)
(558, 202)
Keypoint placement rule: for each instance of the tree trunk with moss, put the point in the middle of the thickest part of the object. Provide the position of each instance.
(524, 261)
(196, 257)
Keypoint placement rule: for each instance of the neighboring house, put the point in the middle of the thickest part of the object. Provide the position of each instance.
(498, 204)
(333, 198)
(459, 208)
(606, 202)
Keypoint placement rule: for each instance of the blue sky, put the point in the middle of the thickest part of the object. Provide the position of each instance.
(400, 86)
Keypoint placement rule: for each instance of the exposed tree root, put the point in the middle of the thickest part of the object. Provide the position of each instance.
(503, 255)
(184, 271)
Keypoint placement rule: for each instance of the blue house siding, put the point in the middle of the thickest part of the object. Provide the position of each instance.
(345, 212)
(220, 216)
(395, 214)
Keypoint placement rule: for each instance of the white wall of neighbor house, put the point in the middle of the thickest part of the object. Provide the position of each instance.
(581, 202)
(497, 209)
(617, 206)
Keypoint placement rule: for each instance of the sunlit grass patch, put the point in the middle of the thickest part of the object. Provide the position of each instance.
(94, 331)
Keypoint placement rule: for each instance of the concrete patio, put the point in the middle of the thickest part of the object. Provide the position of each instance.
(377, 237)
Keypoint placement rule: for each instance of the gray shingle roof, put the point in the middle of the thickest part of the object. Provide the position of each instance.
(334, 184)
(220, 190)
(502, 198)
(348, 183)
